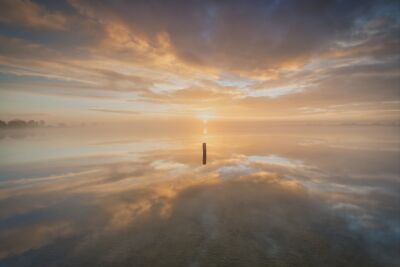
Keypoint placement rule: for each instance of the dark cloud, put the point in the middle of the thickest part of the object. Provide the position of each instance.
(30, 14)
(241, 35)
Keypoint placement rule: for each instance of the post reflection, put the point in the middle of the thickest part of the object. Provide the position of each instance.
(205, 134)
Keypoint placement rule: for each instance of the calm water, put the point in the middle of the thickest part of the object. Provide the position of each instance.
(281, 196)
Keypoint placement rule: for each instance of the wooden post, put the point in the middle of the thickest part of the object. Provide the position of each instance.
(204, 153)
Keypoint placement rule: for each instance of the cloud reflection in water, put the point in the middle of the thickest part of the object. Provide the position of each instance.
(282, 202)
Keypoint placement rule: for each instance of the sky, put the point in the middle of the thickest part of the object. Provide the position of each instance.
(102, 61)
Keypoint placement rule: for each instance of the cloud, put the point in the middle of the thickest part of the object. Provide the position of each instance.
(119, 111)
(257, 59)
(237, 36)
(30, 14)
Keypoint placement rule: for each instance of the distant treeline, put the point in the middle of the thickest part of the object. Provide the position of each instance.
(22, 124)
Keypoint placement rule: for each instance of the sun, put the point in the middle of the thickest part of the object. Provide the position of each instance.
(205, 116)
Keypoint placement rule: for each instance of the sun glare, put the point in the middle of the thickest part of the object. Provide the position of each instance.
(205, 116)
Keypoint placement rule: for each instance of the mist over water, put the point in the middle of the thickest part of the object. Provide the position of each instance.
(270, 196)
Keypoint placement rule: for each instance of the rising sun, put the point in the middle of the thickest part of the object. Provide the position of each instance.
(205, 116)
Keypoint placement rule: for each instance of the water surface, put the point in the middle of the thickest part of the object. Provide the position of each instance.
(280, 196)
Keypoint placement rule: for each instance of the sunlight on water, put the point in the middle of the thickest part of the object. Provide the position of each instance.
(283, 196)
